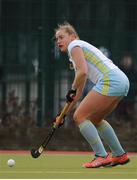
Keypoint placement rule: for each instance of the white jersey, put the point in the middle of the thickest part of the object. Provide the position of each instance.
(98, 63)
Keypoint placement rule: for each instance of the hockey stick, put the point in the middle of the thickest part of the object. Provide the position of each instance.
(35, 153)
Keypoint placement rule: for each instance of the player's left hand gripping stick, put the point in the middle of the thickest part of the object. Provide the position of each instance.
(37, 152)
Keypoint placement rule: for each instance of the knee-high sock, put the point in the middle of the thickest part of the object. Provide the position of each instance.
(108, 135)
(90, 133)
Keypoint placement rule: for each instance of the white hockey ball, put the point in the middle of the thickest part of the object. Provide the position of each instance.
(11, 162)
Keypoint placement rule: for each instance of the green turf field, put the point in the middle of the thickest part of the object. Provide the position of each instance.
(61, 166)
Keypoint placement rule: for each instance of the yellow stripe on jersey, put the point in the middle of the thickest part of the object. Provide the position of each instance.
(89, 56)
(106, 84)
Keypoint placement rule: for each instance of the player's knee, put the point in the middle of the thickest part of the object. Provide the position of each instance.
(77, 118)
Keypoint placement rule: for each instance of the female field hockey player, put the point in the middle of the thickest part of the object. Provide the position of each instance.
(110, 86)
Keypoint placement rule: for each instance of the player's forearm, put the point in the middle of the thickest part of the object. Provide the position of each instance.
(78, 85)
(76, 98)
(80, 80)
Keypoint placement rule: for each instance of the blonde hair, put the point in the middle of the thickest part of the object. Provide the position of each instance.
(68, 29)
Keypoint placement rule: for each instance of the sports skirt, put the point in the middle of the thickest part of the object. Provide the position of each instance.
(113, 83)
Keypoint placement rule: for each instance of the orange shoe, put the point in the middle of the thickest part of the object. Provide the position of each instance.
(119, 160)
(98, 162)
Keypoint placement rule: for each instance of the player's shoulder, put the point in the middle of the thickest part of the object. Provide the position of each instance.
(75, 43)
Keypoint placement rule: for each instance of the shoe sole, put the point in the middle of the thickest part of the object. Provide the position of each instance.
(121, 163)
(116, 164)
(102, 165)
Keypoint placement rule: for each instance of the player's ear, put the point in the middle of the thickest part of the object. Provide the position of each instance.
(73, 36)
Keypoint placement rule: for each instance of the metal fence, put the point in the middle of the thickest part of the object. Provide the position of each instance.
(34, 76)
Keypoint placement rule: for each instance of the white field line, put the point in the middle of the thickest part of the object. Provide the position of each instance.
(65, 172)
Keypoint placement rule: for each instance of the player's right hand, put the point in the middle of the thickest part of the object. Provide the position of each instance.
(58, 123)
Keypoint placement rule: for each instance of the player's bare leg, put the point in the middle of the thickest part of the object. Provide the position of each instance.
(91, 111)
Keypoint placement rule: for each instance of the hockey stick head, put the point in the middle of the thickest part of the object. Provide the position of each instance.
(35, 153)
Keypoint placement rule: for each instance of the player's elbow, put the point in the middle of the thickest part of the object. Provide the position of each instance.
(84, 76)
(83, 73)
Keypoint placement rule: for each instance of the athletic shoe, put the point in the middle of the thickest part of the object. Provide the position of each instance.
(98, 161)
(119, 160)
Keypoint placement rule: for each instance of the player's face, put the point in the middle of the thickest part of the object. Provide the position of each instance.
(63, 39)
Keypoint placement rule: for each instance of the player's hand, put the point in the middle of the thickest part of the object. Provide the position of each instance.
(58, 123)
(70, 95)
